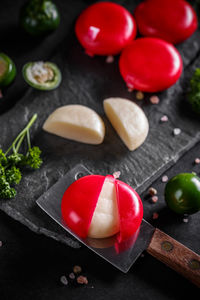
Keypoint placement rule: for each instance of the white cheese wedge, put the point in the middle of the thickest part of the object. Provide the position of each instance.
(105, 220)
(129, 121)
(76, 122)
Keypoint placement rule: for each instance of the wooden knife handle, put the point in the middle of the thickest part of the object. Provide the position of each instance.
(175, 255)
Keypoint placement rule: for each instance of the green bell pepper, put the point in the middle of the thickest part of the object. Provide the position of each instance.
(7, 70)
(182, 193)
(39, 17)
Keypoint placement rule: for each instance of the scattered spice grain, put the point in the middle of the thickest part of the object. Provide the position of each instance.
(116, 174)
(72, 276)
(164, 178)
(152, 191)
(197, 161)
(139, 95)
(82, 279)
(109, 59)
(176, 131)
(185, 220)
(164, 119)
(154, 199)
(77, 269)
(155, 216)
(63, 280)
(154, 99)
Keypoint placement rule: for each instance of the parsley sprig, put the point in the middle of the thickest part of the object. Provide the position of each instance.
(194, 93)
(12, 161)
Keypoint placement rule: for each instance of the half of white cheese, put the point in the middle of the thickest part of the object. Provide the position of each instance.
(105, 220)
(129, 121)
(76, 122)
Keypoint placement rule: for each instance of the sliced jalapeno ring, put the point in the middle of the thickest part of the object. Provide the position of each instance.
(7, 70)
(42, 75)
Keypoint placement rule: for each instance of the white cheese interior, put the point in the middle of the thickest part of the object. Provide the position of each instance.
(129, 121)
(105, 220)
(37, 69)
(76, 122)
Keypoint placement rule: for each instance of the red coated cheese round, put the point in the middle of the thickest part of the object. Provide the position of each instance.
(80, 200)
(105, 28)
(171, 20)
(150, 65)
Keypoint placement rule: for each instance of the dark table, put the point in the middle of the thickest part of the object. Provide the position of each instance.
(31, 265)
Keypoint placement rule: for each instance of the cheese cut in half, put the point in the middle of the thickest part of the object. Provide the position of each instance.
(105, 220)
(99, 206)
(76, 122)
(129, 121)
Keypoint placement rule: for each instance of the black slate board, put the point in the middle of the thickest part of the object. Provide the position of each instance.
(88, 81)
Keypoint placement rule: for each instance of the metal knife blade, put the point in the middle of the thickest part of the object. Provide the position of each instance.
(123, 255)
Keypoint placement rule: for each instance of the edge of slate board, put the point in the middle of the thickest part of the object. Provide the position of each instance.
(190, 53)
(16, 215)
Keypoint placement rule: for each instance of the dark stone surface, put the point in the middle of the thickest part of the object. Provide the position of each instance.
(88, 81)
(31, 264)
(23, 48)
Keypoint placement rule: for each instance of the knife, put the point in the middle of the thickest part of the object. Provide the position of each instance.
(122, 256)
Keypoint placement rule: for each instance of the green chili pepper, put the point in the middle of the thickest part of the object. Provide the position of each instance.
(39, 17)
(42, 75)
(7, 70)
(182, 193)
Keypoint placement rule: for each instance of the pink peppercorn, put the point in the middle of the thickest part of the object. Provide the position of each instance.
(155, 215)
(82, 279)
(164, 178)
(154, 199)
(154, 99)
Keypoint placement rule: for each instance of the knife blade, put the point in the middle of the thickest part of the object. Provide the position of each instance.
(123, 255)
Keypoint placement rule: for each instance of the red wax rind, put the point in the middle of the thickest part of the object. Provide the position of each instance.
(79, 202)
(150, 65)
(124, 245)
(172, 21)
(105, 28)
(130, 210)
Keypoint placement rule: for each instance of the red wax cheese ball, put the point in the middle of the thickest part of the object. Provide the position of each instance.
(150, 65)
(80, 200)
(105, 28)
(171, 20)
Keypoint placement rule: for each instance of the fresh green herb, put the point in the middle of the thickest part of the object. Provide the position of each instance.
(2, 170)
(3, 159)
(194, 94)
(15, 159)
(13, 175)
(32, 158)
(12, 161)
(6, 191)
